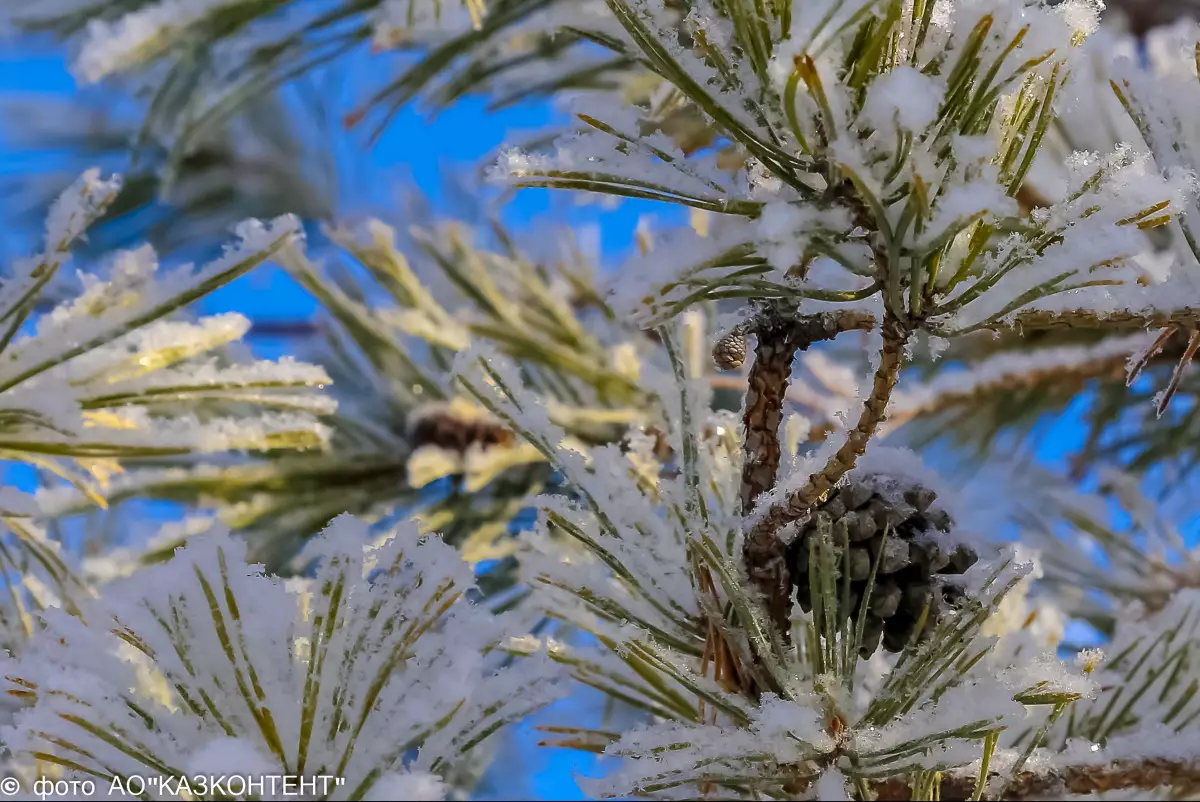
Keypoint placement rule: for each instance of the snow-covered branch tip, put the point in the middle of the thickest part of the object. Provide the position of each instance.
(107, 374)
(204, 665)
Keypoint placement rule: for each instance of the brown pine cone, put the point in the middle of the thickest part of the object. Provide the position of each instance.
(912, 563)
(729, 353)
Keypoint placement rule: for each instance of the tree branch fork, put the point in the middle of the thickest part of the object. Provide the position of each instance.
(778, 339)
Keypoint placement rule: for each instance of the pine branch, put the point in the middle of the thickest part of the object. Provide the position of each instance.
(1115, 320)
(1144, 775)
(286, 328)
(778, 342)
(1061, 378)
(800, 502)
(779, 339)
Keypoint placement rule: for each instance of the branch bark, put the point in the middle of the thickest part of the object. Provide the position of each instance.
(1116, 320)
(800, 502)
(766, 387)
(1120, 776)
(778, 340)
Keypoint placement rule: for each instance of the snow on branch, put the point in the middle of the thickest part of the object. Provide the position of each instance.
(204, 664)
(69, 217)
(867, 167)
(601, 160)
(107, 374)
(141, 36)
(603, 564)
(41, 575)
(1015, 371)
(1118, 777)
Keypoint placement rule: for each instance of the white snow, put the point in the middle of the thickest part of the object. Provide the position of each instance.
(225, 756)
(417, 786)
(902, 97)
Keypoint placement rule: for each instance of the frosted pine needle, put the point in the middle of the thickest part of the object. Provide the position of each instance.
(205, 662)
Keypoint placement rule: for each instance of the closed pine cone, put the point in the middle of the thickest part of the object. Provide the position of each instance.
(914, 560)
(729, 353)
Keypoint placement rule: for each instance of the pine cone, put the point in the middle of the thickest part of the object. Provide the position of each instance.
(913, 561)
(730, 351)
(455, 426)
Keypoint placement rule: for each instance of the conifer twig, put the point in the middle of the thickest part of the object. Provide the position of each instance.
(800, 502)
(1144, 775)
(1059, 378)
(778, 340)
(1114, 320)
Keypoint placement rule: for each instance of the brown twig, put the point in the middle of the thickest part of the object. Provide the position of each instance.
(798, 504)
(1136, 366)
(766, 387)
(1035, 320)
(1118, 776)
(778, 340)
(1177, 375)
(1117, 320)
(766, 562)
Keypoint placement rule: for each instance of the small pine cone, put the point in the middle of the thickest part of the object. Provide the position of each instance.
(962, 558)
(952, 595)
(835, 507)
(939, 519)
(886, 515)
(730, 351)
(928, 554)
(860, 525)
(899, 535)
(920, 498)
(918, 595)
(898, 631)
(855, 495)
(455, 426)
